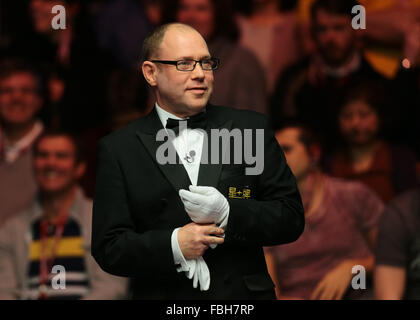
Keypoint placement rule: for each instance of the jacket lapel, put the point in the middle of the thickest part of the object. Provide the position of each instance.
(174, 173)
(209, 174)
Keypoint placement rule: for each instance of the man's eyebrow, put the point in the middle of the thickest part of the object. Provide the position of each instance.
(207, 56)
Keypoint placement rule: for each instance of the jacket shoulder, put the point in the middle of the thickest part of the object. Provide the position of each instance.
(118, 136)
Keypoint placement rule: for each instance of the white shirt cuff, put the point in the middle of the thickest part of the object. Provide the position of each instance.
(177, 253)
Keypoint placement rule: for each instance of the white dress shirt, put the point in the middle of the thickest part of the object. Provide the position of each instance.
(186, 141)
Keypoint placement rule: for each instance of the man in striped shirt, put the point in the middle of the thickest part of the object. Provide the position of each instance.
(45, 250)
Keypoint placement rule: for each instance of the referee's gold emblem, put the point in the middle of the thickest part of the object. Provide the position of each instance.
(239, 193)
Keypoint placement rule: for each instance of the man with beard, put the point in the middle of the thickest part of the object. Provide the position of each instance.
(311, 90)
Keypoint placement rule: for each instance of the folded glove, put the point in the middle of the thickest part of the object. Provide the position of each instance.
(195, 269)
(201, 275)
(204, 204)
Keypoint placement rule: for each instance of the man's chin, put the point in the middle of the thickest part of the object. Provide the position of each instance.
(198, 104)
(54, 189)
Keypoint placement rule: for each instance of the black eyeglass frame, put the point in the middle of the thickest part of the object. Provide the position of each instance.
(176, 62)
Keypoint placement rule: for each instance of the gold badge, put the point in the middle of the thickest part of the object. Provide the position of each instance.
(239, 193)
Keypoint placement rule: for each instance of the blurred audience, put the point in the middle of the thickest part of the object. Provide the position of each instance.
(74, 52)
(58, 223)
(312, 89)
(340, 228)
(397, 266)
(153, 10)
(121, 27)
(271, 34)
(20, 102)
(392, 32)
(239, 80)
(386, 168)
(357, 90)
(128, 98)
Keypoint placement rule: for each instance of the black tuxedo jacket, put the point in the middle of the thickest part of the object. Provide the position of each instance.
(137, 207)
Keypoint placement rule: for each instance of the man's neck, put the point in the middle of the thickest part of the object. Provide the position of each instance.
(176, 114)
(302, 181)
(311, 190)
(14, 134)
(56, 205)
(351, 62)
(362, 156)
(360, 152)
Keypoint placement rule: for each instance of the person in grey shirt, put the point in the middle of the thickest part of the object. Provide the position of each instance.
(397, 270)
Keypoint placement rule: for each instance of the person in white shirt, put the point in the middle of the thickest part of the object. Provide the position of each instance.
(193, 228)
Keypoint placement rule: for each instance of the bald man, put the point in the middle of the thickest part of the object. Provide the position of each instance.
(193, 227)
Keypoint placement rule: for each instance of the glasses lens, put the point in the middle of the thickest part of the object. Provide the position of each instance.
(185, 65)
(206, 64)
(210, 64)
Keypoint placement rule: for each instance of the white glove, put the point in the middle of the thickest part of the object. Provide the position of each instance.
(195, 269)
(204, 204)
(201, 274)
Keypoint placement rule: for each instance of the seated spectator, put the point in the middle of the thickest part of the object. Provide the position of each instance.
(340, 228)
(312, 89)
(271, 33)
(239, 80)
(54, 230)
(20, 103)
(397, 266)
(387, 169)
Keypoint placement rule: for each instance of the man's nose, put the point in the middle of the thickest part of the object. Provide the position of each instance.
(198, 72)
(50, 161)
(17, 94)
(330, 36)
(355, 121)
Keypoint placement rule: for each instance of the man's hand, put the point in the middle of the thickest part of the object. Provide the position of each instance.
(204, 204)
(335, 283)
(194, 239)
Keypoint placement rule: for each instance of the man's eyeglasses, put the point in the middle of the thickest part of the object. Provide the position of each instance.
(189, 64)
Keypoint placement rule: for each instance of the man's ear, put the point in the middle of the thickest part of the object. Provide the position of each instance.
(149, 70)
